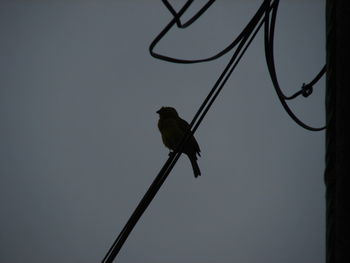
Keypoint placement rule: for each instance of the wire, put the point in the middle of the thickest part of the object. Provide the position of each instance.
(242, 42)
(175, 20)
(193, 18)
(306, 89)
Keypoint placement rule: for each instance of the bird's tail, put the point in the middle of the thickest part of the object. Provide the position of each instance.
(196, 170)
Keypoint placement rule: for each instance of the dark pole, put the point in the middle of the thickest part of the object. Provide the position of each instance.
(337, 171)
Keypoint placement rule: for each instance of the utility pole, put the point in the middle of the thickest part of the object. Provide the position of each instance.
(337, 171)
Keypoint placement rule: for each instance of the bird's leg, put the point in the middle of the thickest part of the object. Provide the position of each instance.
(171, 153)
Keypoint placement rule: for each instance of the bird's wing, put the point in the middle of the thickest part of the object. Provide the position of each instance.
(184, 126)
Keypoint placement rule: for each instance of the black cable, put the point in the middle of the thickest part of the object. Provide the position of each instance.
(230, 71)
(142, 206)
(193, 18)
(306, 89)
(175, 20)
(243, 41)
(167, 167)
(318, 76)
(269, 40)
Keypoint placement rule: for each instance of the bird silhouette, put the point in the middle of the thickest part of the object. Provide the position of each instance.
(173, 129)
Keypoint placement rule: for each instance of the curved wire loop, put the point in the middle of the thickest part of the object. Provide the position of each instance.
(306, 90)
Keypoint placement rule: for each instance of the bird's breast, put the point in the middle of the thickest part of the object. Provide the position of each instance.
(170, 131)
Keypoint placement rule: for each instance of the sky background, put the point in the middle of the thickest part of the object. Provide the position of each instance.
(79, 143)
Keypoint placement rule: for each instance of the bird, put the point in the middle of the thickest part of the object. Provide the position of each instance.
(173, 129)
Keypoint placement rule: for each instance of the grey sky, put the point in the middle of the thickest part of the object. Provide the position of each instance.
(79, 144)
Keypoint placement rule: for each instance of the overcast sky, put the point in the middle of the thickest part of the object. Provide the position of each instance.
(79, 143)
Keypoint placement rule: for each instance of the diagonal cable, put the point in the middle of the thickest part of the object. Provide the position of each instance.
(170, 163)
(242, 42)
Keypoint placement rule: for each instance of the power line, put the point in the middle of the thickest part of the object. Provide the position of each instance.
(242, 42)
(306, 90)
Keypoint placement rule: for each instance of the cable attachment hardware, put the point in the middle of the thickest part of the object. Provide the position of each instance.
(307, 90)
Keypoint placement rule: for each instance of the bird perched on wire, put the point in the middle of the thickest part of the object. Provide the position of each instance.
(173, 129)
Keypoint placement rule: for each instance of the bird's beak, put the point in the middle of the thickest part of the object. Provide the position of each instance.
(158, 111)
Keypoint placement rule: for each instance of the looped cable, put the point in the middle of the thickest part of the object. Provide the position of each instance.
(176, 20)
(269, 55)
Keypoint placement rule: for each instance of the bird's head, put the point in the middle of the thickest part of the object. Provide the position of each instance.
(167, 112)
